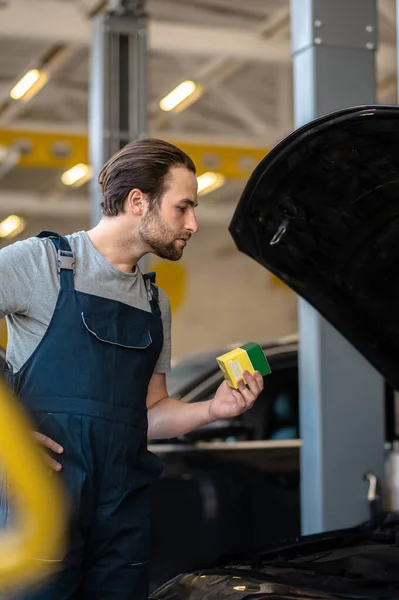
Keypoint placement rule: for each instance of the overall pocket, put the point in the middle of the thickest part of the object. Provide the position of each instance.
(113, 332)
(115, 360)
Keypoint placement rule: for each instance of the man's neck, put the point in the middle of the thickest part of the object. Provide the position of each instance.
(108, 239)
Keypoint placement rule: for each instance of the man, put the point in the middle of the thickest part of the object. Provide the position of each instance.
(89, 346)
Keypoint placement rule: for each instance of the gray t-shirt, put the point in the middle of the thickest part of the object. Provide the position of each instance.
(29, 286)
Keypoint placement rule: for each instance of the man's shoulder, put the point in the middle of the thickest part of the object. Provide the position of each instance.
(76, 237)
(29, 248)
(75, 240)
(34, 250)
(164, 302)
(163, 298)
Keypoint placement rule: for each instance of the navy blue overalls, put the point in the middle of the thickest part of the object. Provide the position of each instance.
(86, 386)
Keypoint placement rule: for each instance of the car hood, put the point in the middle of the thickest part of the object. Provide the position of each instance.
(357, 563)
(321, 212)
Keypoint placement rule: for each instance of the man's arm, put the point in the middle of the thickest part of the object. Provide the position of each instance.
(17, 277)
(169, 418)
(18, 267)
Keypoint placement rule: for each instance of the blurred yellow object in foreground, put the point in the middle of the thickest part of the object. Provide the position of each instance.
(34, 544)
(3, 333)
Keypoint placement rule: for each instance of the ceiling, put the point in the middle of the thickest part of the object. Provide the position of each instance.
(238, 51)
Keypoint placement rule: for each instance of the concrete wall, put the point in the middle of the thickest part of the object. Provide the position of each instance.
(229, 297)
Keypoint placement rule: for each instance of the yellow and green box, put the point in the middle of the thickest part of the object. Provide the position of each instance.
(249, 357)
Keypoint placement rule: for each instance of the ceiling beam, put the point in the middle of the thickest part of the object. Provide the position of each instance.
(52, 150)
(29, 204)
(222, 68)
(51, 21)
(196, 139)
(238, 108)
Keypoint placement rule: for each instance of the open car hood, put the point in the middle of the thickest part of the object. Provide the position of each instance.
(321, 212)
(359, 563)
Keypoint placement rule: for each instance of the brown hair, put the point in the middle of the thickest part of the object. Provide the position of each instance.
(143, 164)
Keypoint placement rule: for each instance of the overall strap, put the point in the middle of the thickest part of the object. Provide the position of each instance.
(152, 293)
(65, 258)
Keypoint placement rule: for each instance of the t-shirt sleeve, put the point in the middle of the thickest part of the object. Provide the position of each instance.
(18, 269)
(164, 361)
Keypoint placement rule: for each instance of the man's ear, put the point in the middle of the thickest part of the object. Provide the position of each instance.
(136, 202)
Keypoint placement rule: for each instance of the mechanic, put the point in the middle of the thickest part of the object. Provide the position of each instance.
(89, 346)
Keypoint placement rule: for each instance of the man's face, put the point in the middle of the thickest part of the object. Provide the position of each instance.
(167, 227)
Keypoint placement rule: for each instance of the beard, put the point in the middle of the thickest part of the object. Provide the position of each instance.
(159, 237)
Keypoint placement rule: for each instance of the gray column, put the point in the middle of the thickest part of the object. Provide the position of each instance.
(118, 86)
(341, 395)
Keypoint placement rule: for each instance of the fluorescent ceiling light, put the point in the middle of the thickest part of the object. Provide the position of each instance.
(209, 182)
(11, 226)
(77, 175)
(182, 96)
(29, 85)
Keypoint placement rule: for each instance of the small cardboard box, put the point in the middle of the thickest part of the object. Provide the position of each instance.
(249, 357)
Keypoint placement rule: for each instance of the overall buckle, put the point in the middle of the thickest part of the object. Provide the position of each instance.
(149, 289)
(65, 261)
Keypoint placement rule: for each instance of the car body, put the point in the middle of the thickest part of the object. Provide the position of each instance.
(263, 443)
(361, 562)
(231, 484)
(321, 212)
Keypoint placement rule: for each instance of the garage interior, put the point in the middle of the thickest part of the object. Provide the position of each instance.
(225, 81)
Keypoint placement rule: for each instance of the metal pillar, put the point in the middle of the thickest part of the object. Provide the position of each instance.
(341, 395)
(118, 87)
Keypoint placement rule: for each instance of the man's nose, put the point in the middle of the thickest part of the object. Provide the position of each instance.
(191, 224)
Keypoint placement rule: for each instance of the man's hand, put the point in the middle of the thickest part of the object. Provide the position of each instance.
(229, 402)
(51, 445)
(169, 417)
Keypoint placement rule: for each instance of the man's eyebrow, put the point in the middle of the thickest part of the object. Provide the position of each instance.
(192, 203)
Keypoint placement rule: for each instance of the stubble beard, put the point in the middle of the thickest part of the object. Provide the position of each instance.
(158, 236)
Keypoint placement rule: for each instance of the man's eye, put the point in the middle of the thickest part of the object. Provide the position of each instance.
(182, 208)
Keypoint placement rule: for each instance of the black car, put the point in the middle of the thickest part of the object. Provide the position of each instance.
(246, 468)
(321, 211)
(233, 484)
(275, 416)
(355, 563)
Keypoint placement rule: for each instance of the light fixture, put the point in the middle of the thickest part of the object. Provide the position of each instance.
(209, 182)
(77, 175)
(182, 96)
(11, 226)
(29, 85)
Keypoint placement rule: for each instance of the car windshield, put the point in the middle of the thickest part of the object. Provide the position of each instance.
(187, 371)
